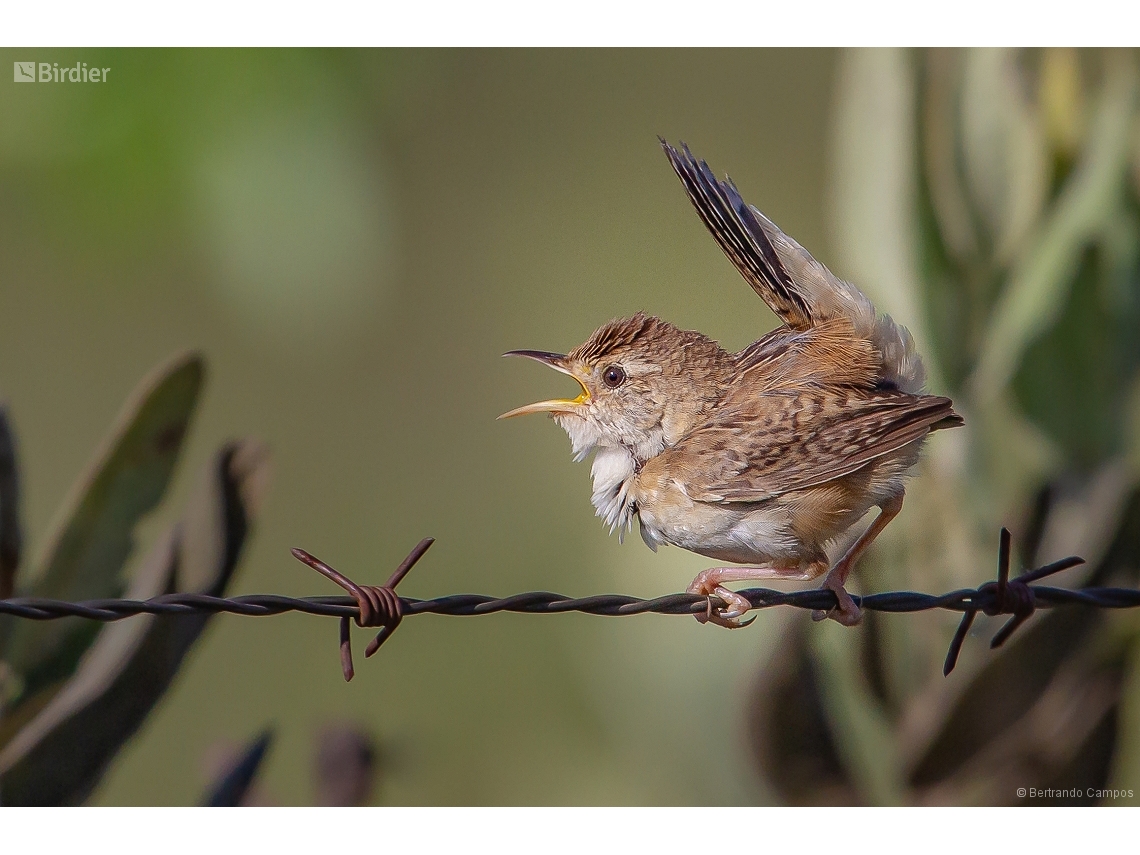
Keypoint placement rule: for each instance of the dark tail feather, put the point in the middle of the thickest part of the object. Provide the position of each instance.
(951, 421)
(740, 236)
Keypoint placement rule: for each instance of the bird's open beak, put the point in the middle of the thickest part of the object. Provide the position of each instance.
(558, 362)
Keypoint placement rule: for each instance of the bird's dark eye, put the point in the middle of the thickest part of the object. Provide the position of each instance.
(614, 376)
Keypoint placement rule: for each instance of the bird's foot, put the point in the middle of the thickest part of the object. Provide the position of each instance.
(847, 613)
(707, 585)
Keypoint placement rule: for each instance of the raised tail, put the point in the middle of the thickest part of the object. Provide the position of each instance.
(800, 290)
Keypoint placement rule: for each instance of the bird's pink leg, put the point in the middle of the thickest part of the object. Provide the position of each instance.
(711, 581)
(848, 613)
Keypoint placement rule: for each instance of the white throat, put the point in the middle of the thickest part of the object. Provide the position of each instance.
(613, 465)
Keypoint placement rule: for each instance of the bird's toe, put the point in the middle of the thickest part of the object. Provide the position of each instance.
(728, 615)
(846, 613)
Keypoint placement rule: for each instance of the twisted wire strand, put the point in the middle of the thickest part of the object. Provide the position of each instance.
(545, 602)
(380, 606)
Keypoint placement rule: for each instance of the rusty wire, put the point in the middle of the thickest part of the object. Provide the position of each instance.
(380, 606)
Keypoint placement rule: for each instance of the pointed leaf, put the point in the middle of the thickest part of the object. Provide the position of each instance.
(61, 754)
(232, 788)
(94, 534)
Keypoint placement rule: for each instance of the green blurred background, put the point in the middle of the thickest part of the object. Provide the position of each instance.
(353, 238)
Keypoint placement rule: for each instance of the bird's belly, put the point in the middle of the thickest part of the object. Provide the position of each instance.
(742, 533)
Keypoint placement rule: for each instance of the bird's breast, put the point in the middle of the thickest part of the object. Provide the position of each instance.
(740, 532)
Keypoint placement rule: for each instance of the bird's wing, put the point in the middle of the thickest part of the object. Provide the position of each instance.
(800, 290)
(792, 441)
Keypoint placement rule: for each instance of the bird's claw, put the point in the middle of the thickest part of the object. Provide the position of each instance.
(726, 616)
(846, 613)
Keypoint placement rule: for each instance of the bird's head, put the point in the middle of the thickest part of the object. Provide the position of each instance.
(644, 384)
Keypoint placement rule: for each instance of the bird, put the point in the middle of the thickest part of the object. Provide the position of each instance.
(760, 458)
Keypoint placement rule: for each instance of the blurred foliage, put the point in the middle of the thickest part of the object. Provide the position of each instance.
(1010, 185)
(73, 691)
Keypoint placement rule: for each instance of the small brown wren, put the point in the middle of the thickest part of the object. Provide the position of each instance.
(761, 457)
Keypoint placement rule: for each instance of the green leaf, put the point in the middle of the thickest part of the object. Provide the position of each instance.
(1070, 381)
(940, 167)
(948, 246)
(59, 756)
(94, 534)
(1004, 148)
(1041, 278)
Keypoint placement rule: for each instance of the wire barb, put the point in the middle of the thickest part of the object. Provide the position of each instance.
(1008, 597)
(376, 605)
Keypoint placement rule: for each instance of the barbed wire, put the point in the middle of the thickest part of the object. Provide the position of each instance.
(380, 606)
